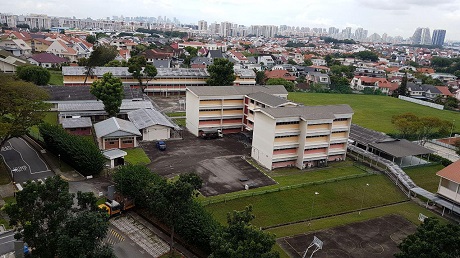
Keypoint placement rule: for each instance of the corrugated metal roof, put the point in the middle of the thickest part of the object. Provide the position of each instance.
(59, 93)
(123, 71)
(114, 153)
(126, 106)
(309, 112)
(236, 90)
(113, 125)
(400, 148)
(143, 118)
(76, 122)
(268, 99)
(365, 136)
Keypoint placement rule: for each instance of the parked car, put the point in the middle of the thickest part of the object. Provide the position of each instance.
(161, 145)
(211, 134)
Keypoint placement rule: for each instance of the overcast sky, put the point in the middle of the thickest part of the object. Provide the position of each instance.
(395, 17)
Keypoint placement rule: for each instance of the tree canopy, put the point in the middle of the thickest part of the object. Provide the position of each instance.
(240, 239)
(91, 39)
(432, 239)
(138, 67)
(221, 73)
(21, 107)
(367, 55)
(47, 219)
(410, 126)
(290, 86)
(100, 56)
(109, 89)
(35, 74)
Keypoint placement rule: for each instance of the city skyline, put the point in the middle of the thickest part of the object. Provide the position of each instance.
(396, 18)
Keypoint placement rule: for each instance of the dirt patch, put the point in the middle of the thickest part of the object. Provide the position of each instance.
(373, 238)
(219, 163)
(169, 104)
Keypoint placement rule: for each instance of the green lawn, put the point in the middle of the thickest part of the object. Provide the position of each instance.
(50, 118)
(175, 114)
(373, 112)
(180, 121)
(137, 156)
(5, 176)
(425, 176)
(56, 78)
(293, 205)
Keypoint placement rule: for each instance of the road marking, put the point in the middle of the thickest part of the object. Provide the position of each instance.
(36, 154)
(30, 170)
(39, 172)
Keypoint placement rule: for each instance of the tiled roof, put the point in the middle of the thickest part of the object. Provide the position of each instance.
(444, 90)
(48, 58)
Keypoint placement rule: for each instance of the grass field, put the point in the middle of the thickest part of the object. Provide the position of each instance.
(179, 121)
(293, 205)
(56, 78)
(425, 176)
(175, 114)
(137, 156)
(374, 112)
(50, 118)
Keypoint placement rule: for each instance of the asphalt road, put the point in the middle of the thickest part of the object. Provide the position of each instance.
(7, 242)
(24, 161)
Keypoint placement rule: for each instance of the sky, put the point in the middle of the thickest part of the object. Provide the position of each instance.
(394, 17)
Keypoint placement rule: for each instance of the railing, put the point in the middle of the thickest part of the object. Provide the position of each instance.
(421, 102)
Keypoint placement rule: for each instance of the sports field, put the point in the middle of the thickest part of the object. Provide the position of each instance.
(372, 238)
(374, 112)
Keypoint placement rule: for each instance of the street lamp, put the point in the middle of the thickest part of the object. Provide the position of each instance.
(59, 156)
(362, 201)
(312, 205)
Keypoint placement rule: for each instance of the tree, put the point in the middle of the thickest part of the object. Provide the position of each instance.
(291, 61)
(100, 56)
(441, 62)
(406, 124)
(307, 62)
(402, 88)
(338, 83)
(35, 74)
(280, 81)
(367, 55)
(21, 107)
(109, 89)
(457, 145)
(242, 240)
(138, 67)
(221, 73)
(91, 39)
(47, 219)
(260, 77)
(432, 239)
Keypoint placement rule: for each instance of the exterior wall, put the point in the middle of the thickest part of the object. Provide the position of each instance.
(6, 67)
(117, 143)
(79, 131)
(263, 140)
(449, 189)
(192, 109)
(156, 132)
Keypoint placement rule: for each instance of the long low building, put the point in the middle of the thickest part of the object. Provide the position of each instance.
(168, 81)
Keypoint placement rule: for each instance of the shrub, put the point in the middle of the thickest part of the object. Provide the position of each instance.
(436, 158)
(77, 151)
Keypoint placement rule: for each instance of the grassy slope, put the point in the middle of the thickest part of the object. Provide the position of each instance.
(373, 112)
(425, 176)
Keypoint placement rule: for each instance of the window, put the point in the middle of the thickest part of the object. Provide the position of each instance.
(285, 136)
(316, 136)
(127, 141)
(340, 119)
(288, 123)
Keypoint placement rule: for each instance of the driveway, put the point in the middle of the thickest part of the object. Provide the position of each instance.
(218, 162)
(23, 161)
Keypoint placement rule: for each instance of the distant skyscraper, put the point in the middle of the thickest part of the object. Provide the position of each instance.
(202, 25)
(438, 37)
(416, 38)
(421, 36)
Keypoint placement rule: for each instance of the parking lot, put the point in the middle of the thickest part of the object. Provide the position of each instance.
(218, 162)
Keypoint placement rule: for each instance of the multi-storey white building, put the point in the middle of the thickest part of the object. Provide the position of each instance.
(223, 107)
(302, 136)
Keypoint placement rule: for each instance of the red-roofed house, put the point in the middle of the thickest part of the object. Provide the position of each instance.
(362, 82)
(449, 185)
(123, 54)
(238, 56)
(40, 45)
(60, 49)
(284, 74)
(425, 70)
(445, 92)
(47, 60)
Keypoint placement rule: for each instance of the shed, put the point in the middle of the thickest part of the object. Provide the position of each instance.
(116, 133)
(152, 124)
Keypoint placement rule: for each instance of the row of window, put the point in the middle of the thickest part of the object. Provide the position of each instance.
(315, 148)
(285, 136)
(288, 123)
(340, 119)
(316, 136)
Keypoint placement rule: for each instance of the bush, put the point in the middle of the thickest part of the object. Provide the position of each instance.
(35, 74)
(436, 158)
(77, 151)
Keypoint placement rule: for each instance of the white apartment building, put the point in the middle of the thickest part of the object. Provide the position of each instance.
(302, 136)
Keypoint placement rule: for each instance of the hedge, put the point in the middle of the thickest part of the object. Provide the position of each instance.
(76, 151)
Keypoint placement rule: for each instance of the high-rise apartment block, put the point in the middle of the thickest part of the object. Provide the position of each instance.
(438, 37)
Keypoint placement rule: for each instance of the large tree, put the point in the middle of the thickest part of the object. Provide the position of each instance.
(21, 107)
(100, 56)
(260, 77)
(402, 89)
(35, 74)
(290, 86)
(240, 239)
(109, 89)
(221, 73)
(46, 218)
(432, 239)
(138, 67)
(91, 39)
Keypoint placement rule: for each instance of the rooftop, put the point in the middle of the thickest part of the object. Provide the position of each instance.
(400, 148)
(76, 122)
(236, 90)
(451, 172)
(143, 118)
(60, 93)
(309, 112)
(268, 99)
(112, 125)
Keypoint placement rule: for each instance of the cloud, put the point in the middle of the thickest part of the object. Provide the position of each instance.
(404, 4)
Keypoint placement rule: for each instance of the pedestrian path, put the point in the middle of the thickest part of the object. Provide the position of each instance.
(113, 237)
(141, 235)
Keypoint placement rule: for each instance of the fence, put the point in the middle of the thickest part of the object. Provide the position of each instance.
(421, 102)
(445, 145)
(281, 188)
